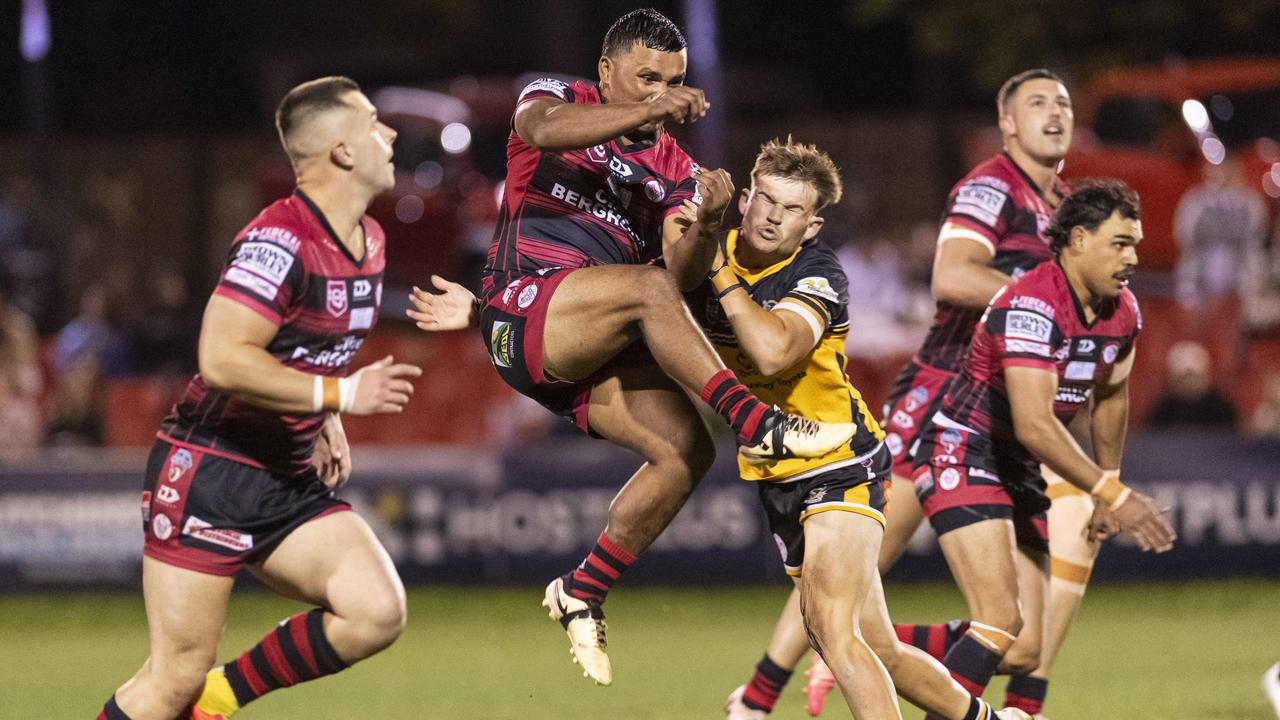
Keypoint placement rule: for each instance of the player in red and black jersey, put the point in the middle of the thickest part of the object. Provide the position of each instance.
(1047, 343)
(244, 469)
(579, 315)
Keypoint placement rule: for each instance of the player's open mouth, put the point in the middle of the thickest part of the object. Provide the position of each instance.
(1054, 130)
(1123, 277)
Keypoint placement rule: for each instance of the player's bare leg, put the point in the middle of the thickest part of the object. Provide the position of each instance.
(839, 569)
(337, 564)
(596, 312)
(1070, 564)
(638, 407)
(901, 523)
(982, 561)
(186, 611)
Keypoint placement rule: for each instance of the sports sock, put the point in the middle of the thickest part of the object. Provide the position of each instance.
(933, 639)
(979, 710)
(1026, 693)
(112, 711)
(296, 651)
(738, 406)
(766, 685)
(597, 572)
(972, 664)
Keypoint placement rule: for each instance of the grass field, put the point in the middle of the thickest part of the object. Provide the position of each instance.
(1164, 652)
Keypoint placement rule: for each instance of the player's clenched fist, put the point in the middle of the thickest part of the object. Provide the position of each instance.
(382, 387)
(681, 104)
(1146, 522)
(716, 188)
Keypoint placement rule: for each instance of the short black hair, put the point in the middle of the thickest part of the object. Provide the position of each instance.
(1011, 85)
(1089, 205)
(309, 98)
(647, 27)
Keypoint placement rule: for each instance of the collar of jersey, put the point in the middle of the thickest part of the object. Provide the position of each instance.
(753, 276)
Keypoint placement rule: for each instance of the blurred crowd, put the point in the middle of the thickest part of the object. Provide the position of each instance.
(77, 311)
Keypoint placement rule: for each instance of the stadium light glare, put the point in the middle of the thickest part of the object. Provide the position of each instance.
(1213, 149)
(455, 138)
(35, 38)
(1195, 115)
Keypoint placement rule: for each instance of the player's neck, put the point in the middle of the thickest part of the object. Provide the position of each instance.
(342, 208)
(1043, 176)
(1088, 301)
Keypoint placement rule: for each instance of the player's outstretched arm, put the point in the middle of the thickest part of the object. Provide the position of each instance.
(553, 125)
(453, 308)
(962, 272)
(234, 359)
(773, 340)
(1031, 394)
(690, 236)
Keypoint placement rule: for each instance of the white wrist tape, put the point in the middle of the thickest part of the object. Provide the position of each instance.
(317, 395)
(347, 392)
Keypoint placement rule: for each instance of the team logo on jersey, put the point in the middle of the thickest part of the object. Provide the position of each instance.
(598, 154)
(950, 439)
(917, 397)
(819, 286)
(180, 462)
(1109, 353)
(361, 288)
(167, 495)
(527, 296)
(894, 442)
(335, 297)
(1086, 346)
(949, 479)
(654, 189)
(162, 527)
(815, 496)
(903, 420)
(500, 344)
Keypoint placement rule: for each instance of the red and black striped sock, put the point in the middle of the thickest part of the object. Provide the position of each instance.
(933, 639)
(734, 402)
(972, 664)
(605, 563)
(1026, 693)
(112, 711)
(766, 685)
(296, 651)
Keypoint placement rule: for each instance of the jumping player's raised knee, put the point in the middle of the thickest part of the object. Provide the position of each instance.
(380, 616)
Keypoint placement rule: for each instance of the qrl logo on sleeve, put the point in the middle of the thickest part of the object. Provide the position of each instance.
(335, 299)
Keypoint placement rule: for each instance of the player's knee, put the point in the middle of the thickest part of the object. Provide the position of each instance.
(1020, 661)
(826, 622)
(382, 615)
(1004, 616)
(177, 681)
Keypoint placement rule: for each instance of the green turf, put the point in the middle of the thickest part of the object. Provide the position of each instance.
(1138, 651)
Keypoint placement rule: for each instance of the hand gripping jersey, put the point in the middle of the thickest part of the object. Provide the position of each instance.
(997, 205)
(1035, 322)
(289, 267)
(811, 283)
(597, 206)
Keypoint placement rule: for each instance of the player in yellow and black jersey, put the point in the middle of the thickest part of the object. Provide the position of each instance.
(775, 306)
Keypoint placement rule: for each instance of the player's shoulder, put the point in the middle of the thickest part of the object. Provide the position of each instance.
(815, 269)
(1041, 290)
(557, 89)
(279, 223)
(996, 173)
(673, 159)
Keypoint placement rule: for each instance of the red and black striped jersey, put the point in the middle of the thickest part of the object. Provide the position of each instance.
(288, 266)
(596, 206)
(1035, 322)
(997, 205)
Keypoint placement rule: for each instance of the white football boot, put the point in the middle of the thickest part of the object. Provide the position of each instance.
(584, 622)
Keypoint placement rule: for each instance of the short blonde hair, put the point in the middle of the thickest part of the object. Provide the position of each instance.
(804, 163)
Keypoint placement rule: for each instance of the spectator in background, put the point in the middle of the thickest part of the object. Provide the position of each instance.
(1260, 287)
(86, 350)
(1218, 225)
(1266, 417)
(1189, 399)
(21, 381)
(163, 339)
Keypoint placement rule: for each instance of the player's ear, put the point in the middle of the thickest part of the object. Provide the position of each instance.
(1006, 124)
(1077, 238)
(340, 154)
(744, 200)
(605, 69)
(815, 225)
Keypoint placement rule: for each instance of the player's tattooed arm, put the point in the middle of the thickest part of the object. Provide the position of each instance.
(962, 272)
(689, 236)
(453, 308)
(233, 358)
(1031, 393)
(553, 125)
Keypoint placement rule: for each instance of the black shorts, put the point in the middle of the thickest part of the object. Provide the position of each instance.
(211, 514)
(862, 486)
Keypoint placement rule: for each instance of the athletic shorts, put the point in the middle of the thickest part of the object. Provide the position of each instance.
(913, 399)
(211, 514)
(513, 321)
(955, 496)
(860, 487)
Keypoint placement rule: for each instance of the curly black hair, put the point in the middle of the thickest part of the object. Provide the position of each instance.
(1091, 202)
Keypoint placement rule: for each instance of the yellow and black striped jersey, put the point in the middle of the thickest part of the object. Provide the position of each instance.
(810, 283)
